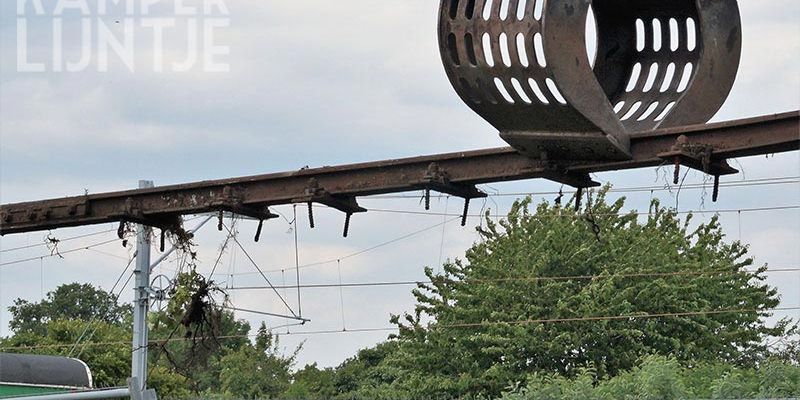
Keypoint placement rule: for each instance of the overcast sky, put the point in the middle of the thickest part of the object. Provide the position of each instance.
(314, 83)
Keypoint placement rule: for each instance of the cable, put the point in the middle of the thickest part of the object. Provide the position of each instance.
(60, 241)
(633, 189)
(723, 211)
(297, 260)
(341, 293)
(61, 253)
(72, 238)
(222, 249)
(360, 252)
(629, 317)
(116, 298)
(333, 260)
(517, 279)
(108, 254)
(616, 317)
(236, 240)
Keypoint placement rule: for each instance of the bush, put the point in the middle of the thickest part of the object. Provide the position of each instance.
(664, 378)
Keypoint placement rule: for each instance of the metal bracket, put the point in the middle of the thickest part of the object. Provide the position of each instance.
(559, 174)
(316, 194)
(435, 178)
(231, 202)
(699, 157)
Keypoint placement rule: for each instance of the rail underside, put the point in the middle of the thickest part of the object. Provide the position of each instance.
(703, 147)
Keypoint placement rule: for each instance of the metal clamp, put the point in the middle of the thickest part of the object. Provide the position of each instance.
(699, 157)
(437, 179)
(317, 194)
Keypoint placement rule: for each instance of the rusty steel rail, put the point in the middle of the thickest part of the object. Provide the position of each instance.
(703, 147)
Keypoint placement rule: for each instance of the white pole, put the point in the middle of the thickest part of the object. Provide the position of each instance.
(141, 302)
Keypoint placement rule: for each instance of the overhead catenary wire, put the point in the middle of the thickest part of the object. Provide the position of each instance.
(578, 216)
(115, 297)
(412, 234)
(455, 216)
(357, 253)
(341, 293)
(630, 317)
(84, 248)
(788, 180)
(236, 240)
(297, 259)
(67, 239)
(521, 279)
(60, 253)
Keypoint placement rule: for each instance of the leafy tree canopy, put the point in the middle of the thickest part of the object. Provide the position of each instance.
(508, 310)
(663, 378)
(106, 352)
(71, 301)
(257, 372)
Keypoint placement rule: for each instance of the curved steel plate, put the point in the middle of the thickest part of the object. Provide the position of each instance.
(523, 66)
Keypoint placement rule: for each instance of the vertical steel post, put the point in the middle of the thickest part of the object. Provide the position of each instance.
(141, 302)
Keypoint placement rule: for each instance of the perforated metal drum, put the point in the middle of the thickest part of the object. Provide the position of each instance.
(523, 66)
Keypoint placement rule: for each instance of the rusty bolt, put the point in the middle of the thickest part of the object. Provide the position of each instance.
(715, 195)
(347, 224)
(676, 177)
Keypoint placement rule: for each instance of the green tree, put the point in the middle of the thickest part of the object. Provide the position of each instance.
(259, 371)
(71, 301)
(200, 366)
(311, 383)
(663, 378)
(484, 335)
(368, 374)
(76, 311)
(106, 352)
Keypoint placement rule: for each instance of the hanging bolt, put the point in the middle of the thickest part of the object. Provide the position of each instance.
(219, 220)
(715, 195)
(464, 214)
(311, 214)
(258, 230)
(121, 230)
(427, 199)
(163, 239)
(676, 177)
(347, 223)
(578, 197)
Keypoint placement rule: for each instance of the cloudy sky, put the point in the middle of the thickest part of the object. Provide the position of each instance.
(310, 83)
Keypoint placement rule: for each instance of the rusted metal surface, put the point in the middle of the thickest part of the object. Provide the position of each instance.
(254, 194)
(523, 66)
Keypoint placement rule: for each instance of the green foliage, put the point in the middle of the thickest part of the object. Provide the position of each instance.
(510, 317)
(256, 372)
(168, 384)
(482, 339)
(660, 378)
(72, 301)
(312, 383)
(107, 358)
(201, 366)
(367, 375)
